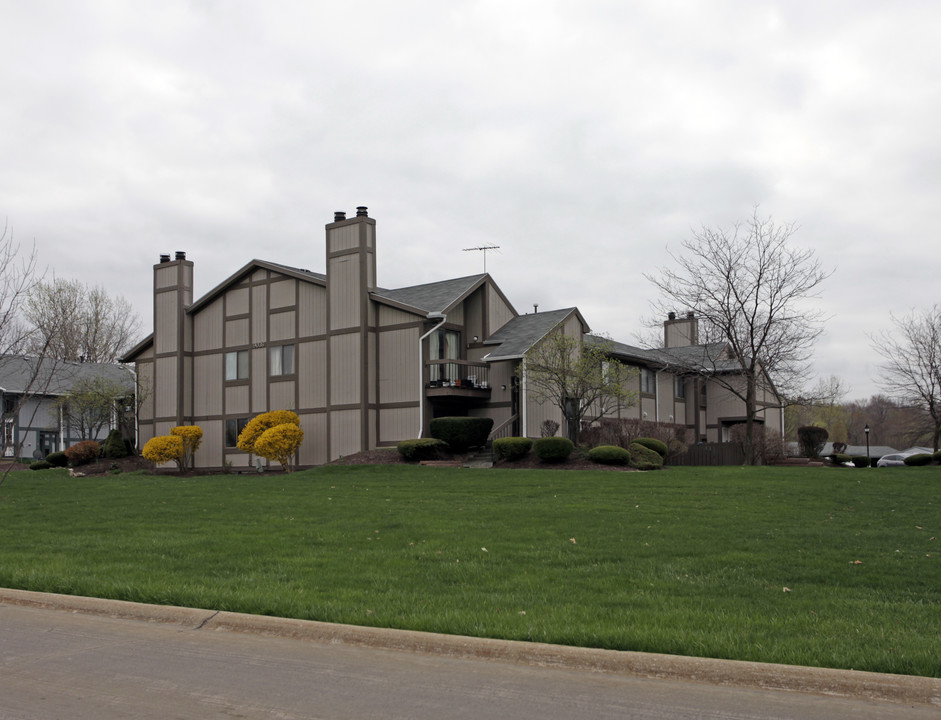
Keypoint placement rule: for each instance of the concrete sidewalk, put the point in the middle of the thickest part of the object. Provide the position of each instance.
(840, 683)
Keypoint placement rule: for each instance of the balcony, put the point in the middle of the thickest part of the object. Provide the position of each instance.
(456, 379)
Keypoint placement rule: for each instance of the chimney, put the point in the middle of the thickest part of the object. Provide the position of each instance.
(680, 332)
(180, 255)
(361, 211)
(165, 258)
(339, 216)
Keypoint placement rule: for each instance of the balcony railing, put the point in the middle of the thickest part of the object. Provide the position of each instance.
(459, 375)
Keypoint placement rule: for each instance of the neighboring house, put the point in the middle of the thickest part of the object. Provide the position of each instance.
(35, 423)
(362, 365)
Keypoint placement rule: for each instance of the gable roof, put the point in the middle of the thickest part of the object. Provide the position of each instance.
(708, 357)
(47, 376)
(518, 335)
(433, 297)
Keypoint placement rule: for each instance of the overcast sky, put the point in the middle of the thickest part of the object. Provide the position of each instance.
(584, 138)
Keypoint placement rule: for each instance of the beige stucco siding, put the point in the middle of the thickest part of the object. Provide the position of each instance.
(345, 369)
(312, 309)
(312, 374)
(237, 400)
(397, 424)
(398, 365)
(345, 433)
(207, 327)
(236, 301)
(282, 326)
(259, 314)
(345, 295)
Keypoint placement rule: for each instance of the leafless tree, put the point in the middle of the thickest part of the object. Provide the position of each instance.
(911, 367)
(79, 322)
(750, 290)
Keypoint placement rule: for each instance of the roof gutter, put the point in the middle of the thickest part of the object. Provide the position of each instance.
(421, 369)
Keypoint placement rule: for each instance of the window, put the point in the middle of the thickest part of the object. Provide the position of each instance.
(281, 360)
(236, 365)
(444, 345)
(233, 428)
(648, 381)
(679, 387)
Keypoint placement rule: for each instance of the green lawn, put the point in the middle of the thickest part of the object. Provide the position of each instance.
(833, 567)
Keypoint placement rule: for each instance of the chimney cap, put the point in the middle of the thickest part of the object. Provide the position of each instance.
(180, 255)
(361, 211)
(165, 257)
(671, 316)
(339, 215)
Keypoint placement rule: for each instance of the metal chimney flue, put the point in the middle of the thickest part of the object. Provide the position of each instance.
(180, 255)
(339, 215)
(361, 211)
(164, 258)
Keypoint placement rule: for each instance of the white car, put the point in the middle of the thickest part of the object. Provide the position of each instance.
(893, 460)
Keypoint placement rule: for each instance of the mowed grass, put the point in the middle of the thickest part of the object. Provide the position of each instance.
(824, 567)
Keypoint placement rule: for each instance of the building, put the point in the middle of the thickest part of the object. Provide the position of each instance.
(362, 365)
(35, 420)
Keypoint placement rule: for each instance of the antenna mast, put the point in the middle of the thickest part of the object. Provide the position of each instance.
(483, 249)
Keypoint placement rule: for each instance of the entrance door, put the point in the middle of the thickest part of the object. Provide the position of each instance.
(48, 442)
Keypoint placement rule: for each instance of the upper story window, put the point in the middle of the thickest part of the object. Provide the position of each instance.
(648, 381)
(281, 360)
(679, 387)
(236, 365)
(445, 345)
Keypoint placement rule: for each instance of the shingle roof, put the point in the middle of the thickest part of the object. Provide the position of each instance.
(710, 357)
(432, 297)
(521, 333)
(19, 374)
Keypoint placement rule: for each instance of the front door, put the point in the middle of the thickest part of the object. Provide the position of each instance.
(48, 442)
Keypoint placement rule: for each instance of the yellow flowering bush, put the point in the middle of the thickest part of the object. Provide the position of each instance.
(258, 424)
(192, 436)
(280, 444)
(164, 448)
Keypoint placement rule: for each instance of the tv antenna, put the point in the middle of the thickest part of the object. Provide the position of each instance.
(483, 249)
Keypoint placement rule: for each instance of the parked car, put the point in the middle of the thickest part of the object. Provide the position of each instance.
(894, 460)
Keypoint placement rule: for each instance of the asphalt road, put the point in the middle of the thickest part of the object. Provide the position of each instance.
(57, 663)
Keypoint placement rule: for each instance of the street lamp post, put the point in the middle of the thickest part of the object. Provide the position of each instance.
(866, 430)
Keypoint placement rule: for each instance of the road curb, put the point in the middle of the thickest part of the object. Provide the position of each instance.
(732, 673)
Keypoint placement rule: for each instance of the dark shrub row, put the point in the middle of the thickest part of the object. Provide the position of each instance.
(461, 433)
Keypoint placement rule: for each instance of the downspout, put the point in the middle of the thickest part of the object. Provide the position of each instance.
(781, 410)
(656, 396)
(421, 370)
(523, 403)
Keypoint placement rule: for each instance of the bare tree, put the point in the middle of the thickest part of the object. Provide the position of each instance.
(92, 404)
(79, 322)
(911, 367)
(581, 378)
(749, 288)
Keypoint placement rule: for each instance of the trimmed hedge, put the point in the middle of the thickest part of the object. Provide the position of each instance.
(937, 456)
(512, 448)
(658, 446)
(609, 455)
(919, 459)
(40, 465)
(83, 452)
(553, 449)
(860, 461)
(114, 446)
(461, 433)
(643, 458)
(57, 459)
(422, 449)
(840, 458)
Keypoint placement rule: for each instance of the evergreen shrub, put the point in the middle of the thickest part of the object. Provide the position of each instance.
(919, 459)
(83, 452)
(860, 461)
(461, 433)
(553, 449)
(114, 446)
(57, 459)
(811, 440)
(937, 456)
(40, 465)
(643, 458)
(512, 448)
(609, 455)
(422, 449)
(658, 446)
